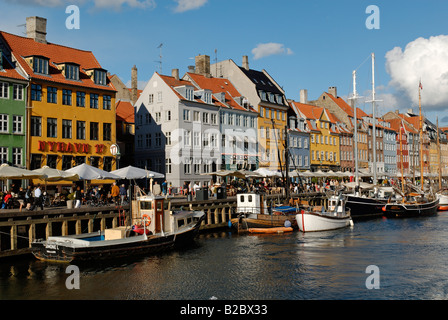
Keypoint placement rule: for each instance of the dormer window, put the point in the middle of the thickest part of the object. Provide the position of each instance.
(99, 77)
(40, 65)
(189, 94)
(71, 71)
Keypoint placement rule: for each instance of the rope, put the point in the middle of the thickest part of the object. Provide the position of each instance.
(17, 235)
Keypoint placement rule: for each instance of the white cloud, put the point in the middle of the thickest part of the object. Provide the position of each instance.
(268, 49)
(117, 4)
(186, 5)
(425, 59)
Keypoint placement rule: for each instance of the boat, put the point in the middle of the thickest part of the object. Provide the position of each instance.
(272, 230)
(253, 212)
(337, 216)
(154, 229)
(415, 201)
(369, 205)
(443, 200)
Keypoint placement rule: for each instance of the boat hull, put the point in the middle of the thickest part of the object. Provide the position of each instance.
(262, 221)
(404, 210)
(270, 230)
(443, 202)
(364, 208)
(311, 221)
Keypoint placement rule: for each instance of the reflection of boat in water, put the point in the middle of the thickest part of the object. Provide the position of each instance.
(253, 212)
(154, 229)
(318, 219)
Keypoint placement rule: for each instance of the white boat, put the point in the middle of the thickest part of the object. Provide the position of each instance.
(443, 200)
(319, 219)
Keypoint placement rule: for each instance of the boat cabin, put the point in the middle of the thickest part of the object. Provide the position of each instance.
(251, 203)
(154, 213)
(336, 205)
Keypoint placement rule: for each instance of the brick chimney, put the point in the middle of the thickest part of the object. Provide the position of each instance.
(36, 28)
(175, 74)
(134, 85)
(203, 65)
(333, 91)
(304, 96)
(246, 62)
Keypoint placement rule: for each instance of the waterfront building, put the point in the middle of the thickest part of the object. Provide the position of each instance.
(237, 121)
(324, 137)
(268, 98)
(347, 157)
(345, 113)
(71, 103)
(299, 141)
(13, 98)
(177, 130)
(403, 143)
(390, 149)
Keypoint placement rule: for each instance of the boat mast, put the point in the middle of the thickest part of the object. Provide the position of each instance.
(421, 134)
(401, 157)
(354, 98)
(374, 120)
(439, 156)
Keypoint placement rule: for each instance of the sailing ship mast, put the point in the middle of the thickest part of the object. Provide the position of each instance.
(421, 133)
(439, 156)
(354, 98)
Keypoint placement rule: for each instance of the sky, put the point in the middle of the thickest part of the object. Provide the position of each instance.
(310, 45)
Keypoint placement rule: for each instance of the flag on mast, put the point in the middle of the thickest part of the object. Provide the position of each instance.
(420, 86)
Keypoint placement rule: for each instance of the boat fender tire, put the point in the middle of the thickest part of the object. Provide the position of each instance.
(148, 219)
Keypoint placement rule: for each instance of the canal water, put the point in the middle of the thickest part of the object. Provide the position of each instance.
(408, 256)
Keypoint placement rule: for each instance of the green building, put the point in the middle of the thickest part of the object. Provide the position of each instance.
(13, 97)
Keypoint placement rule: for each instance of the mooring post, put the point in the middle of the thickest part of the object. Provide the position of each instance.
(13, 237)
(31, 234)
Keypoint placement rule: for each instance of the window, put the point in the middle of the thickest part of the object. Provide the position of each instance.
(36, 126)
(159, 96)
(151, 98)
(93, 130)
(17, 124)
(168, 165)
(205, 117)
(67, 162)
(167, 115)
(52, 160)
(99, 77)
(186, 115)
(52, 93)
(158, 139)
(81, 130)
(158, 116)
(40, 65)
(71, 72)
(67, 97)
(4, 120)
(3, 154)
(36, 161)
(187, 138)
(148, 140)
(4, 90)
(196, 116)
(18, 92)
(80, 99)
(107, 131)
(214, 118)
(94, 101)
(66, 129)
(17, 155)
(196, 139)
(106, 102)
(36, 92)
(168, 138)
(52, 127)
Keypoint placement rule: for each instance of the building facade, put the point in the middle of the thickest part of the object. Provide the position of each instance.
(71, 103)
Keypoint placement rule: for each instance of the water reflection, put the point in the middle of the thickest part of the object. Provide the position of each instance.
(326, 265)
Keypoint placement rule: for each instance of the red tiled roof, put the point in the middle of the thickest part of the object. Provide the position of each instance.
(125, 111)
(218, 85)
(346, 107)
(22, 47)
(9, 72)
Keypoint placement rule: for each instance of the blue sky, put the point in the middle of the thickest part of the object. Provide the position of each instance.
(303, 44)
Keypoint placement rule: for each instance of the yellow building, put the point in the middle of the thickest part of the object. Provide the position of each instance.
(324, 137)
(71, 103)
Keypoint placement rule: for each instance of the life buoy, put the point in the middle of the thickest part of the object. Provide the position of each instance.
(148, 219)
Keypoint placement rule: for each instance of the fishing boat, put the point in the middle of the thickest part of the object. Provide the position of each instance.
(253, 212)
(337, 216)
(154, 229)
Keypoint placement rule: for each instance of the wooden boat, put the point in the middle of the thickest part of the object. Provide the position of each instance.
(318, 219)
(154, 229)
(413, 205)
(253, 212)
(271, 230)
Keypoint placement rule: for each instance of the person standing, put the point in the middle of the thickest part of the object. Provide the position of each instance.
(38, 198)
(78, 197)
(164, 187)
(122, 193)
(115, 192)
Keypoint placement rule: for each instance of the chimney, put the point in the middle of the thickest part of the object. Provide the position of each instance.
(303, 96)
(191, 69)
(134, 85)
(203, 65)
(246, 62)
(175, 74)
(333, 91)
(36, 28)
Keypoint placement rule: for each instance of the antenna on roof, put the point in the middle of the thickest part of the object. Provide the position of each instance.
(160, 56)
(23, 25)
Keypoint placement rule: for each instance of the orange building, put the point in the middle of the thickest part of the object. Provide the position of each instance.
(71, 102)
